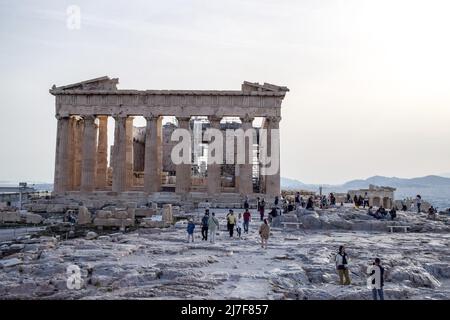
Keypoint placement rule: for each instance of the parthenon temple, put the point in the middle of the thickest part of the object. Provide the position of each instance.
(138, 161)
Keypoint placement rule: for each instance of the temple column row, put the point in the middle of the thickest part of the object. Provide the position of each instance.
(94, 149)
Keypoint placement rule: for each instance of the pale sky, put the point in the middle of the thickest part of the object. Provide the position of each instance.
(369, 80)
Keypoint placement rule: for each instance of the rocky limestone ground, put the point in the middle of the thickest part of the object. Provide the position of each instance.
(160, 264)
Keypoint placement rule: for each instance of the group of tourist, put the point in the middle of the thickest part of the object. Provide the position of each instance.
(360, 201)
(382, 213)
(240, 223)
(377, 278)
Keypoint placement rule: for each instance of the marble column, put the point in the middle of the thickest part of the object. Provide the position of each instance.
(183, 171)
(273, 180)
(245, 170)
(76, 126)
(62, 155)
(153, 154)
(119, 155)
(88, 165)
(214, 180)
(102, 152)
(129, 153)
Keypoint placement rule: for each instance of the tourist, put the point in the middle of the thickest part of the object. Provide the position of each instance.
(370, 212)
(246, 205)
(381, 212)
(264, 232)
(342, 266)
(213, 224)
(323, 202)
(404, 207)
(355, 201)
(190, 230)
(258, 203)
(277, 200)
(310, 204)
(261, 208)
(247, 217)
(290, 207)
(332, 199)
(297, 200)
(239, 225)
(393, 213)
(432, 213)
(366, 200)
(349, 198)
(377, 291)
(231, 222)
(360, 201)
(205, 221)
(418, 202)
(272, 214)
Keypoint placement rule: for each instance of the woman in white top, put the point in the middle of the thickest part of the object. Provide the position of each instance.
(239, 225)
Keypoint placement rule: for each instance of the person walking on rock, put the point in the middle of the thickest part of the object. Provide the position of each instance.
(246, 205)
(342, 266)
(310, 204)
(297, 200)
(231, 222)
(261, 208)
(378, 279)
(366, 200)
(190, 230)
(264, 232)
(213, 224)
(205, 220)
(247, 217)
(239, 225)
(418, 202)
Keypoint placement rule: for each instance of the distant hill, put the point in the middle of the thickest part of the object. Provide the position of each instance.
(427, 181)
(291, 183)
(435, 189)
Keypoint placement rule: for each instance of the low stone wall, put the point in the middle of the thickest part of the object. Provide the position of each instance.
(20, 217)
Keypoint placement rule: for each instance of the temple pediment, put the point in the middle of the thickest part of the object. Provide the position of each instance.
(255, 86)
(101, 83)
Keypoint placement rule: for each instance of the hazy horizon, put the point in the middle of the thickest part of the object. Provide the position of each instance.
(369, 85)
